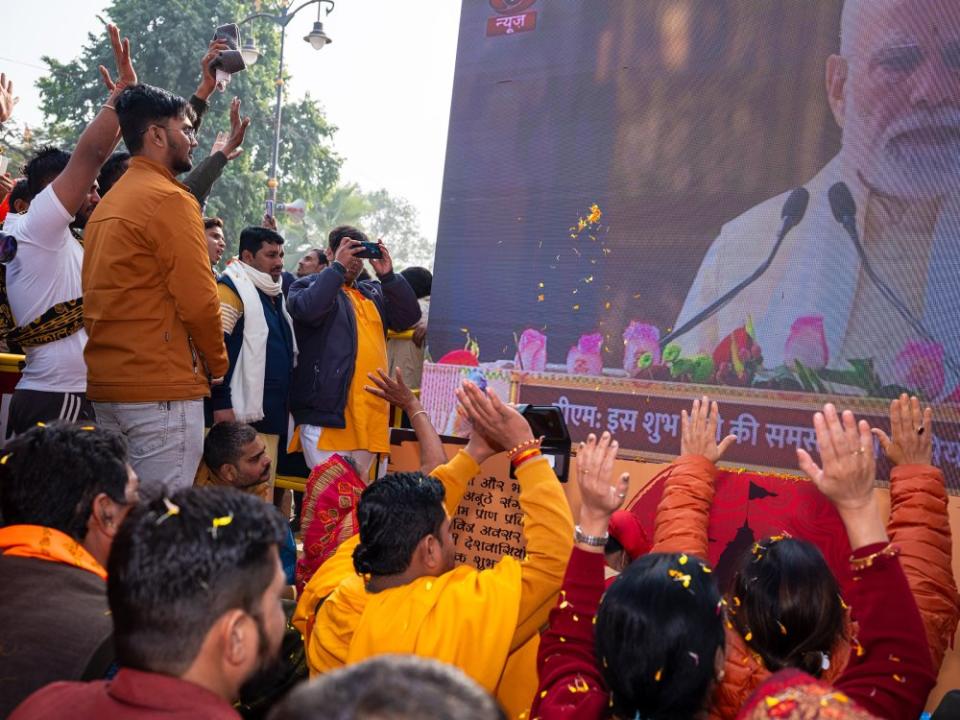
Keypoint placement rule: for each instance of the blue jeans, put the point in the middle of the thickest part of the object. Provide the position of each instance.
(165, 440)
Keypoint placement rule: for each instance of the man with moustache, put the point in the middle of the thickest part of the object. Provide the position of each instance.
(894, 89)
(151, 308)
(261, 349)
(341, 325)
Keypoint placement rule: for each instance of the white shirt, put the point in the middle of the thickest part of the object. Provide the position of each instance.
(46, 271)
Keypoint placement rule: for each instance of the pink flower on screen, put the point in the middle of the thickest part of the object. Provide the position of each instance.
(919, 367)
(532, 351)
(585, 358)
(639, 339)
(807, 343)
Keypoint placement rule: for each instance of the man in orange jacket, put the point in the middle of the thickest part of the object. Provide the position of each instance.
(151, 308)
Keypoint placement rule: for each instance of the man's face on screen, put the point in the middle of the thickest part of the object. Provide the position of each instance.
(902, 96)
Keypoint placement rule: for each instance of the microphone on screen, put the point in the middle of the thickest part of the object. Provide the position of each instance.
(792, 213)
(844, 209)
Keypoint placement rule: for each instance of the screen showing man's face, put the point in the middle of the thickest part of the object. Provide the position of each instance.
(902, 95)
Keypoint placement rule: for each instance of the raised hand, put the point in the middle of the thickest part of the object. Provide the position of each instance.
(698, 434)
(6, 185)
(7, 99)
(912, 433)
(848, 474)
(269, 222)
(502, 426)
(208, 77)
(383, 266)
(126, 75)
(392, 389)
(238, 131)
(600, 495)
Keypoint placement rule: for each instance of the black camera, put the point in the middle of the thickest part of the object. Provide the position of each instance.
(547, 422)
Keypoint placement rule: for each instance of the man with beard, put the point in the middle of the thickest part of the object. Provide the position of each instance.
(258, 334)
(894, 89)
(43, 280)
(194, 584)
(313, 261)
(235, 455)
(150, 301)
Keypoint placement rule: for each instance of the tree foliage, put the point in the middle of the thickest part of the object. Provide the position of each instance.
(167, 40)
(378, 213)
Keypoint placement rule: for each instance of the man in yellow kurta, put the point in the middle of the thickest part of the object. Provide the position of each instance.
(341, 326)
(394, 588)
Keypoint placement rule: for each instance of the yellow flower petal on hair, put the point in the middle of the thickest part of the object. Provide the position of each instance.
(658, 675)
(223, 521)
(683, 559)
(748, 637)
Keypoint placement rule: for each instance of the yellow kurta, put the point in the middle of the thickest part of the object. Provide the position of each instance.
(367, 416)
(471, 619)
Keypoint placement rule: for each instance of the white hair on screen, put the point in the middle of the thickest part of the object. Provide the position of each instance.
(849, 21)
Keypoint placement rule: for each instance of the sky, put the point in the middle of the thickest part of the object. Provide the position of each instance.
(385, 81)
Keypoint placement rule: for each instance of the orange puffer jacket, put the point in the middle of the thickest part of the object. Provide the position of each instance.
(918, 524)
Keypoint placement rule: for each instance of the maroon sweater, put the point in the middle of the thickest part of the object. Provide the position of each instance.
(131, 695)
(891, 676)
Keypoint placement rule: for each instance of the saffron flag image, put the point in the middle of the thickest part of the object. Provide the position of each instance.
(760, 201)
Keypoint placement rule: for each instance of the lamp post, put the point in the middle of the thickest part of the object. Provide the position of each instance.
(317, 39)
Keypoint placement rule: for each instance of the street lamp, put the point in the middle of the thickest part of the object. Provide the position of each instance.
(249, 52)
(317, 39)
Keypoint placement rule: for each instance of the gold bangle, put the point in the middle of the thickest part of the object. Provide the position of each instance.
(889, 551)
(418, 412)
(532, 442)
(108, 105)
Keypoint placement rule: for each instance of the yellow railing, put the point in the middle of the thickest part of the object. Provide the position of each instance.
(11, 363)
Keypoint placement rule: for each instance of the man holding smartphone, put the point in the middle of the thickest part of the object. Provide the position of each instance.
(341, 327)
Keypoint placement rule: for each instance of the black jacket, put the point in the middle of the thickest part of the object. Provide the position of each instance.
(326, 330)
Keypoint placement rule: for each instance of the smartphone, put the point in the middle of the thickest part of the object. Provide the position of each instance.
(371, 251)
(4, 162)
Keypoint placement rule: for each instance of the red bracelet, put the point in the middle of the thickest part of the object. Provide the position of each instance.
(524, 456)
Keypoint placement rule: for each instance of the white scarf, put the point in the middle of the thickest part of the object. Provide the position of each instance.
(246, 385)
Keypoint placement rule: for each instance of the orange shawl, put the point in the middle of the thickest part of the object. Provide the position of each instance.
(43, 543)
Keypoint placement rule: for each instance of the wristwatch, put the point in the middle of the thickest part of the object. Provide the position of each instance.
(593, 540)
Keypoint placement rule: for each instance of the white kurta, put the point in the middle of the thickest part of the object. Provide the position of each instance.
(816, 273)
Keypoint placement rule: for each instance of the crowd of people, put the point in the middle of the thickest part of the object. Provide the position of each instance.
(148, 570)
